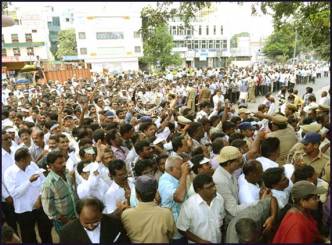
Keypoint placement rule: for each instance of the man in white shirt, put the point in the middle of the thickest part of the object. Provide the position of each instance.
(7, 160)
(218, 100)
(24, 182)
(122, 188)
(92, 184)
(201, 216)
(270, 150)
(248, 182)
(280, 186)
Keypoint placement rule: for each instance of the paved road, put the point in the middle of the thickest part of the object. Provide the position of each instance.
(320, 85)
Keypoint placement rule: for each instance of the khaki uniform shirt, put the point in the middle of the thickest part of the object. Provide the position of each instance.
(321, 164)
(148, 223)
(287, 139)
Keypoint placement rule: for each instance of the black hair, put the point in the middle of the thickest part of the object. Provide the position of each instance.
(269, 146)
(144, 126)
(201, 180)
(244, 228)
(196, 160)
(197, 151)
(141, 165)
(303, 173)
(81, 165)
(235, 136)
(139, 145)
(217, 135)
(53, 156)
(111, 135)
(116, 165)
(24, 131)
(228, 125)
(91, 202)
(177, 142)
(250, 166)
(194, 126)
(217, 145)
(238, 143)
(99, 134)
(84, 141)
(272, 176)
(21, 153)
(125, 128)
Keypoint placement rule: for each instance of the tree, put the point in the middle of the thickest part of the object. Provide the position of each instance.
(154, 17)
(4, 6)
(235, 38)
(310, 19)
(158, 48)
(67, 44)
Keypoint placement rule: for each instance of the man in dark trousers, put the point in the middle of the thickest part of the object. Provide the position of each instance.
(92, 226)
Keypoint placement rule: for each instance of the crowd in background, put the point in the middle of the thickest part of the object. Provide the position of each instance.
(169, 158)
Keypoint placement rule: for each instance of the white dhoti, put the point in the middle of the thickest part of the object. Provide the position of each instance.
(243, 95)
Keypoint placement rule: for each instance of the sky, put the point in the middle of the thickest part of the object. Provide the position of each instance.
(239, 15)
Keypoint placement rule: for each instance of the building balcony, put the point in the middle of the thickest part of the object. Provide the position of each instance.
(23, 45)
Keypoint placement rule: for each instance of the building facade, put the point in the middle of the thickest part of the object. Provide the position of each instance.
(29, 37)
(203, 44)
(109, 39)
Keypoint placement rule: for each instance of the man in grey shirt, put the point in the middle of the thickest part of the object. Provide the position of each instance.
(264, 213)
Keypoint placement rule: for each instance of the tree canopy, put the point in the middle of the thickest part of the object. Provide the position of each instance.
(311, 20)
(158, 48)
(67, 44)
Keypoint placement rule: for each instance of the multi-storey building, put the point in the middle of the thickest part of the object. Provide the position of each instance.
(31, 36)
(109, 38)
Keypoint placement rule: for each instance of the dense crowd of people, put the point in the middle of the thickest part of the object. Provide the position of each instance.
(168, 158)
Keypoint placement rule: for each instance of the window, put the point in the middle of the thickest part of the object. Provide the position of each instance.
(211, 43)
(30, 51)
(34, 31)
(56, 21)
(207, 30)
(221, 30)
(199, 43)
(17, 52)
(81, 35)
(217, 44)
(189, 31)
(173, 30)
(28, 37)
(199, 30)
(137, 34)
(224, 44)
(83, 51)
(3, 52)
(137, 49)
(67, 19)
(109, 35)
(203, 44)
(189, 44)
(214, 30)
(196, 44)
(14, 38)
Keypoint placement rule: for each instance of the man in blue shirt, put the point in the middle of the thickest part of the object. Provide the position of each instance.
(172, 189)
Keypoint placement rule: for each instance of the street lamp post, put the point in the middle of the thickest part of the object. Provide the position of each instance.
(295, 46)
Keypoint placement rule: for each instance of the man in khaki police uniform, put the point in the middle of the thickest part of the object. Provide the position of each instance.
(285, 133)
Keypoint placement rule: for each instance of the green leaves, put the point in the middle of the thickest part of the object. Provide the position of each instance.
(67, 44)
(310, 19)
(157, 49)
